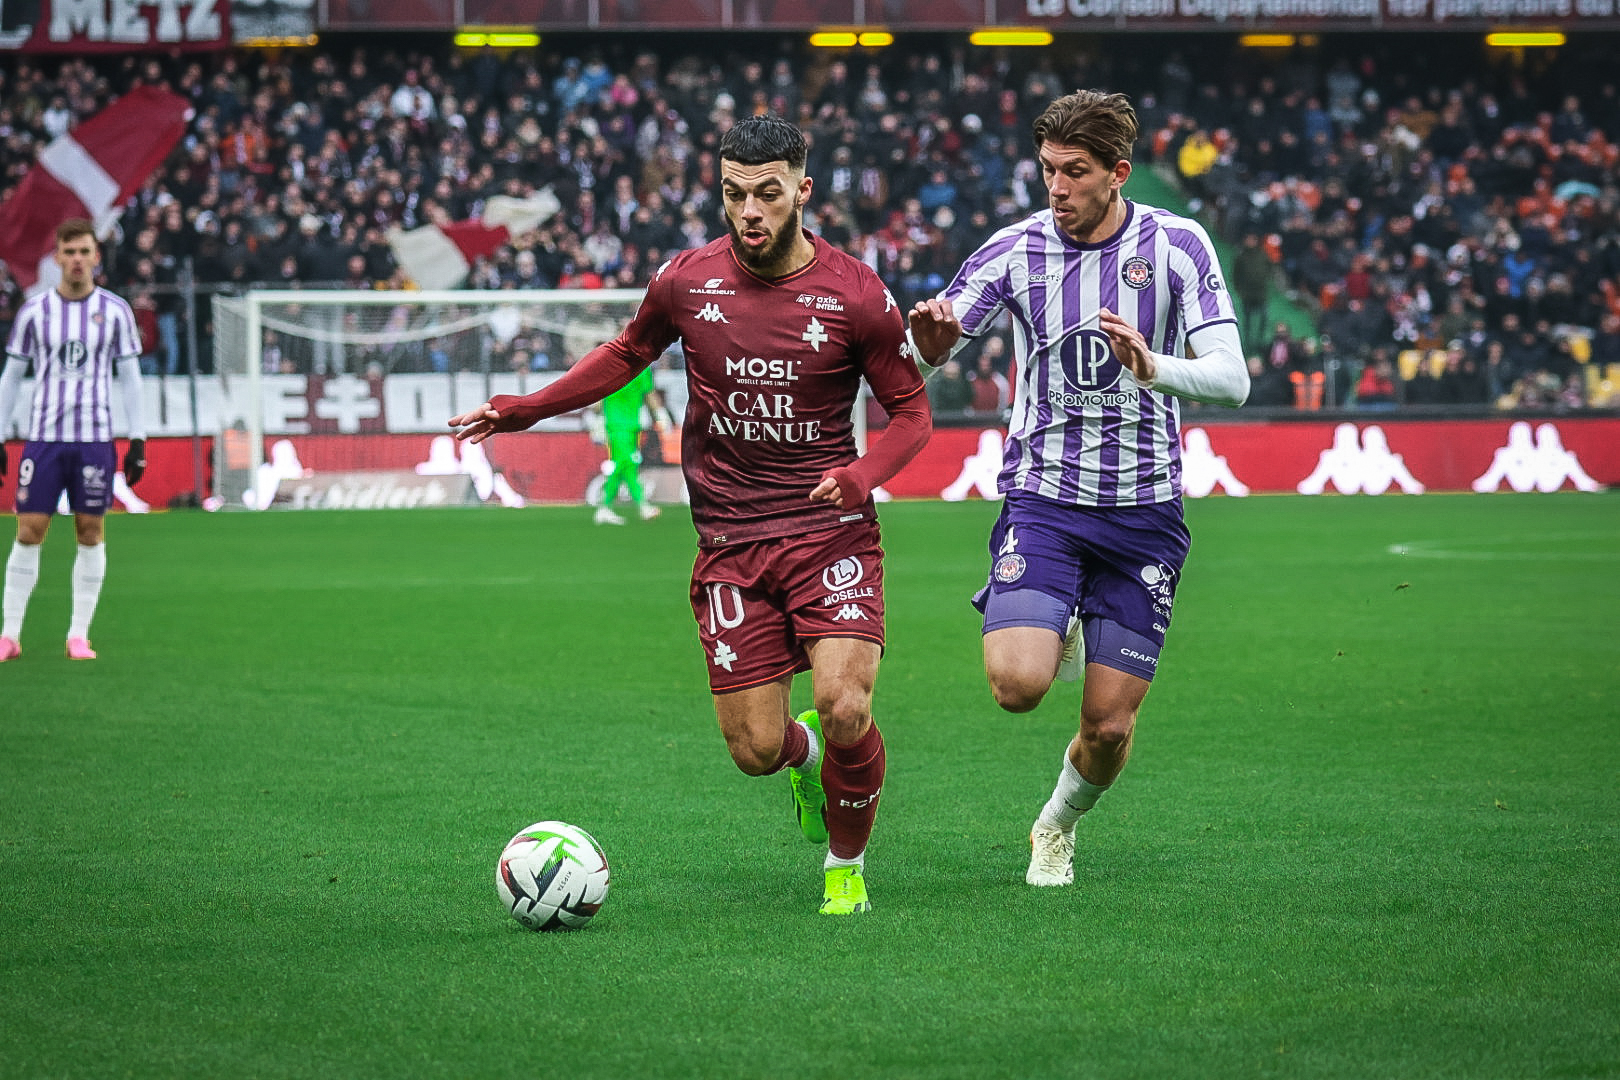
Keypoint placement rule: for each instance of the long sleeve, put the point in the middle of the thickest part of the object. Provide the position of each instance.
(10, 385)
(1217, 374)
(129, 382)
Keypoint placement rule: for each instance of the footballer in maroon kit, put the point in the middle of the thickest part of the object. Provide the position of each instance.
(778, 329)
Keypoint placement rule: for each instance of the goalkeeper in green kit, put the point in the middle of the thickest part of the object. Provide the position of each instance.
(621, 417)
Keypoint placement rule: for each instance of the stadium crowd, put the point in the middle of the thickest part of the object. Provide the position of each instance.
(1452, 239)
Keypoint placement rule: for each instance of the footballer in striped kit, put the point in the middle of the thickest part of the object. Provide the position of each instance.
(79, 338)
(1118, 311)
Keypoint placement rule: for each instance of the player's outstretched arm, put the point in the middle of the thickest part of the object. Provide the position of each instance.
(601, 371)
(934, 331)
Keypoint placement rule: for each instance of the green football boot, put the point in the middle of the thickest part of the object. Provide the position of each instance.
(845, 893)
(809, 799)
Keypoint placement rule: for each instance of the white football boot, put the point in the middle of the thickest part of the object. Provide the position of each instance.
(1051, 859)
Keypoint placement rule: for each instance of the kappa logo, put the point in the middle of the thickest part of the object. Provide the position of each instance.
(711, 313)
(849, 612)
(842, 574)
(1137, 272)
(815, 333)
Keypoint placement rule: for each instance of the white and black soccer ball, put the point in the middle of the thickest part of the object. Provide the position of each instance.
(552, 876)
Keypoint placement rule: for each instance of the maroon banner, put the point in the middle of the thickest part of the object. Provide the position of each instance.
(1372, 456)
(117, 26)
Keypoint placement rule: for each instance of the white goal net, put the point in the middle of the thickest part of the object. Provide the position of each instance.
(364, 380)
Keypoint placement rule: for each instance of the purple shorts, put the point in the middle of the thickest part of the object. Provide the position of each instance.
(1118, 566)
(83, 470)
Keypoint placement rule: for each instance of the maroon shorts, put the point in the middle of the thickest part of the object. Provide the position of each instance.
(756, 604)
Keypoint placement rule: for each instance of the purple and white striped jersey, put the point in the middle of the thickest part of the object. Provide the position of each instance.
(75, 346)
(1083, 430)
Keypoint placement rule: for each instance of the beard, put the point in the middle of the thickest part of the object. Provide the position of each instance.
(775, 251)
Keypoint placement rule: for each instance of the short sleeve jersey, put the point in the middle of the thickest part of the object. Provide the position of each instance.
(1082, 429)
(75, 346)
(773, 368)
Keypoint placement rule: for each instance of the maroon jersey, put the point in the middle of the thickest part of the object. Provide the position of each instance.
(772, 368)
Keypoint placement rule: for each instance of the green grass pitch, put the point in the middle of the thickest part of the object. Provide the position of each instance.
(1371, 828)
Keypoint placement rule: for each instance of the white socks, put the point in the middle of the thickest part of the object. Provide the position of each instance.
(22, 573)
(1073, 796)
(833, 862)
(812, 757)
(89, 569)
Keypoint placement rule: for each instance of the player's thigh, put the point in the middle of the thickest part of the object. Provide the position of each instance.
(1033, 587)
(832, 581)
(1133, 569)
(1111, 698)
(43, 474)
(90, 484)
(1022, 660)
(742, 624)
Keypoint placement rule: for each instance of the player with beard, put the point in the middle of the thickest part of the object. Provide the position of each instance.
(778, 329)
(1118, 310)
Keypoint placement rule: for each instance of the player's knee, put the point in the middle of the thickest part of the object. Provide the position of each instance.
(751, 755)
(845, 713)
(1107, 730)
(1018, 691)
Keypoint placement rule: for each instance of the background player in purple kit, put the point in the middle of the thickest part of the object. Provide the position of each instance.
(78, 336)
(1118, 309)
(778, 329)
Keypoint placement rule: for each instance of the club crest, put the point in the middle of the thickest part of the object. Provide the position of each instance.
(1010, 567)
(1137, 272)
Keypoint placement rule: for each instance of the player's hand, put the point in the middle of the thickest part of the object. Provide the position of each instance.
(934, 329)
(1130, 346)
(134, 462)
(476, 425)
(841, 487)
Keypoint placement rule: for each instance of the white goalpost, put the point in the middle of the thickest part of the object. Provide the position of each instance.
(357, 362)
(308, 365)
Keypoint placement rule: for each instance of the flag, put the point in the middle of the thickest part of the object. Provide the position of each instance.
(440, 256)
(88, 172)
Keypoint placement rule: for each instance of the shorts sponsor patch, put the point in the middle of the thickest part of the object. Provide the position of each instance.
(842, 574)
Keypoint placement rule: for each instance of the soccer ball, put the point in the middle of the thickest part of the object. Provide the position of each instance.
(552, 876)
